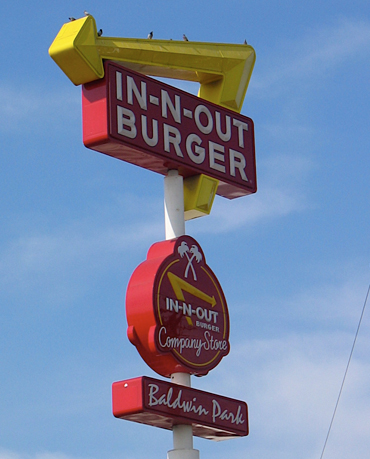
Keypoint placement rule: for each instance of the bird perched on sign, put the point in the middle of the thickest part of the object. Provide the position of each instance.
(100, 32)
(150, 35)
(245, 42)
(184, 37)
(86, 13)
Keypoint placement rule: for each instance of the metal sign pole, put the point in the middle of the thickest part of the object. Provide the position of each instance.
(175, 227)
(174, 205)
(220, 157)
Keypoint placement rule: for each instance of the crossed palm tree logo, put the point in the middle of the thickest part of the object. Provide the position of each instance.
(191, 254)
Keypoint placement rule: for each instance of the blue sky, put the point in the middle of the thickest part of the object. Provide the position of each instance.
(293, 259)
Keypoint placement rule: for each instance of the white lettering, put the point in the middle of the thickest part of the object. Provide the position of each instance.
(206, 129)
(241, 128)
(152, 142)
(209, 327)
(153, 100)
(237, 161)
(186, 309)
(227, 135)
(174, 399)
(210, 315)
(119, 85)
(210, 343)
(214, 344)
(199, 153)
(126, 117)
(172, 305)
(216, 410)
(167, 399)
(216, 153)
(200, 313)
(167, 102)
(172, 136)
(187, 113)
(225, 415)
(191, 142)
(133, 89)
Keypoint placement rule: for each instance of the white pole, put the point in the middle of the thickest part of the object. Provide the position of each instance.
(175, 227)
(174, 205)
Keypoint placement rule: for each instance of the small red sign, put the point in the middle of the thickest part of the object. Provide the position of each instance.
(145, 122)
(176, 310)
(163, 404)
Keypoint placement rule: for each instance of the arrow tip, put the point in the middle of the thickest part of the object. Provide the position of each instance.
(74, 50)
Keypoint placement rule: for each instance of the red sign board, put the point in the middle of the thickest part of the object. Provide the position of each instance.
(153, 125)
(176, 310)
(163, 404)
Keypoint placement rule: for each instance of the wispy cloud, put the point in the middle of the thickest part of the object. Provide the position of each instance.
(332, 305)
(322, 50)
(279, 195)
(65, 259)
(327, 296)
(291, 380)
(32, 108)
(291, 385)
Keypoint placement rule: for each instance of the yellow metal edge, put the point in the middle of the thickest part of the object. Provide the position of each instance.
(199, 194)
(223, 70)
(74, 51)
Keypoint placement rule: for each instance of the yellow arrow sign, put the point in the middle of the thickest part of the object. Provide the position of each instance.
(223, 70)
(180, 285)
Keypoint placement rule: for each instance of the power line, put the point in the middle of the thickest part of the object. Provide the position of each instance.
(345, 373)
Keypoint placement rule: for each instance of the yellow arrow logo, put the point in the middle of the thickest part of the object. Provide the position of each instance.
(223, 70)
(180, 285)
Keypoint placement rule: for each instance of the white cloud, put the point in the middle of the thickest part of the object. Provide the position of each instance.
(8, 454)
(291, 380)
(291, 385)
(320, 51)
(330, 304)
(268, 204)
(59, 264)
(28, 108)
(281, 193)
(95, 241)
(72, 244)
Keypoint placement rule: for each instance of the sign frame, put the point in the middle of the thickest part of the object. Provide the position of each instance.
(180, 131)
(163, 404)
(178, 322)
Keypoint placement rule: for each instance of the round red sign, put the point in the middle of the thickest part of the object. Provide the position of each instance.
(176, 310)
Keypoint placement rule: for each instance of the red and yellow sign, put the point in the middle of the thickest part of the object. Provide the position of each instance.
(176, 310)
(145, 122)
(222, 69)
